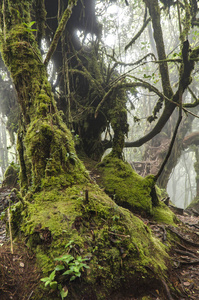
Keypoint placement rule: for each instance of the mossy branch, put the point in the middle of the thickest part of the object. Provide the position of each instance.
(186, 21)
(185, 80)
(196, 100)
(169, 107)
(106, 96)
(66, 15)
(95, 83)
(121, 63)
(138, 34)
(92, 81)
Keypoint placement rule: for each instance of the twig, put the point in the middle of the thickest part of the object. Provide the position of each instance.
(193, 262)
(4, 20)
(10, 230)
(30, 295)
(122, 235)
(138, 34)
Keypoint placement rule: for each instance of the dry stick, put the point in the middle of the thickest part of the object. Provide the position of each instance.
(167, 291)
(30, 295)
(10, 229)
(171, 144)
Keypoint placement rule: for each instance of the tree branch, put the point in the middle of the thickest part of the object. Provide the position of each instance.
(154, 11)
(191, 139)
(138, 34)
(171, 144)
(66, 15)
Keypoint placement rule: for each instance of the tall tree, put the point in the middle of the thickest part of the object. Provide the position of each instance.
(53, 209)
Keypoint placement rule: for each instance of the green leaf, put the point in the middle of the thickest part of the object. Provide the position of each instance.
(76, 269)
(47, 282)
(64, 293)
(77, 274)
(72, 278)
(65, 258)
(52, 276)
(31, 24)
(69, 244)
(44, 279)
(68, 272)
(87, 267)
(59, 267)
(53, 285)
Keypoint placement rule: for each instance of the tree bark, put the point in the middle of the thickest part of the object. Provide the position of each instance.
(45, 144)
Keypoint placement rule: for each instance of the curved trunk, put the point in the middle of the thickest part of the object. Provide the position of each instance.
(45, 144)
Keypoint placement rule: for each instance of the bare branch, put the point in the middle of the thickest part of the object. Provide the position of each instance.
(172, 141)
(138, 34)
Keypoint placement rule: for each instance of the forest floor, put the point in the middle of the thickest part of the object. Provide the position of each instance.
(19, 276)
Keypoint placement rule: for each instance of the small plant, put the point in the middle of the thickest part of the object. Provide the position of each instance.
(29, 26)
(50, 280)
(71, 156)
(72, 267)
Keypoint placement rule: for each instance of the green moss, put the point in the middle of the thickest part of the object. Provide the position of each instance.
(194, 203)
(11, 175)
(126, 187)
(132, 191)
(163, 214)
(120, 247)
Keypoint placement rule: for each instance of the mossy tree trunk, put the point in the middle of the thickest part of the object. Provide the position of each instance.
(49, 164)
(45, 144)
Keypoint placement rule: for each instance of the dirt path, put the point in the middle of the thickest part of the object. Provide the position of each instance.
(19, 278)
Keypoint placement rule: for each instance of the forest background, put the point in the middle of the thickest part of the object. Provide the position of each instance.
(75, 92)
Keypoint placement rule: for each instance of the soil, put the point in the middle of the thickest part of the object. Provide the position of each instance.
(19, 277)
